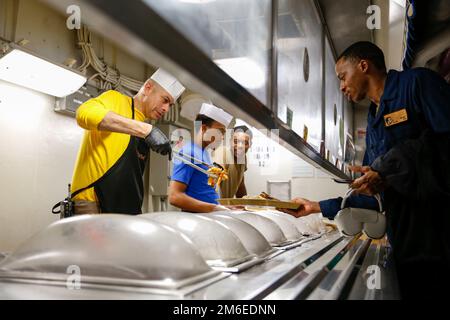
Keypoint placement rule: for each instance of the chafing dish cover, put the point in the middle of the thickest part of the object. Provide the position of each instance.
(288, 227)
(302, 226)
(315, 222)
(250, 237)
(218, 245)
(269, 229)
(112, 249)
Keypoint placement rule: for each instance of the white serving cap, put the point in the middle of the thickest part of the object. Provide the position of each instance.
(215, 113)
(168, 82)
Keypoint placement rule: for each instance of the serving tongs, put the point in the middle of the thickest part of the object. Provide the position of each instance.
(213, 179)
(192, 162)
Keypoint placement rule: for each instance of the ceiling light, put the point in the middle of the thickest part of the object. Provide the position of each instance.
(25, 69)
(244, 70)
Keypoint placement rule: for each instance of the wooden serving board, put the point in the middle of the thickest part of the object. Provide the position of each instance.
(259, 203)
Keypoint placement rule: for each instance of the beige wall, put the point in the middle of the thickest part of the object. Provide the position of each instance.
(39, 148)
(281, 167)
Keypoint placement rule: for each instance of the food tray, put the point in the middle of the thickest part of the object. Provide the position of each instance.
(258, 202)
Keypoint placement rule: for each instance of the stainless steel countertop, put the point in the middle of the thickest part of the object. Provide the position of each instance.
(330, 267)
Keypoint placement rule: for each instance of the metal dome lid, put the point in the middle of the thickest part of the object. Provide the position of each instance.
(250, 237)
(269, 229)
(109, 249)
(217, 244)
(302, 226)
(290, 231)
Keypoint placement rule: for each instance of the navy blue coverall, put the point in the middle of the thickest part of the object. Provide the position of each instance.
(408, 144)
(426, 98)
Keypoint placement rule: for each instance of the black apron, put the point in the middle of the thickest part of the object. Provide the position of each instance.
(121, 188)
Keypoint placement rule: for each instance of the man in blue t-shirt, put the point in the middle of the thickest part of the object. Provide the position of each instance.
(189, 189)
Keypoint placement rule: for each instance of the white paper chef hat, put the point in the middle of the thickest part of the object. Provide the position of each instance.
(215, 113)
(168, 82)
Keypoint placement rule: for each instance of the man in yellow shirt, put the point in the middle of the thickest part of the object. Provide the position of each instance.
(234, 159)
(112, 156)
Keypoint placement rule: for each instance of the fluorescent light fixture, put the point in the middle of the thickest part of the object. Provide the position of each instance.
(27, 70)
(244, 70)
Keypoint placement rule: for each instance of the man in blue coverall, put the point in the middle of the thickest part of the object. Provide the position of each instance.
(407, 159)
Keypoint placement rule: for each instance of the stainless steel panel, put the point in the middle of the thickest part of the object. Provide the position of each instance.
(261, 280)
(334, 125)
(217, 244)
(233, 33)
(37, 289)
(346, 22)
(18, 290)
(348, 116)
(302, 284)
(300, 58)
(250, 237)
(332, 286)
(377, 256)
(99, 246)
(348, 120)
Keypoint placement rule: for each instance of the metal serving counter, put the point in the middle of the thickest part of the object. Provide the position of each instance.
(159, 262)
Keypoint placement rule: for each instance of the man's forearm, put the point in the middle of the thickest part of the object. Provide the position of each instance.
(116, 123)
(187, 203)
(331, 207)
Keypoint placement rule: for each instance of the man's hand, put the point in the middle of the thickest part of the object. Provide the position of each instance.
(158, 142)
(370, 183)
(306, 208)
